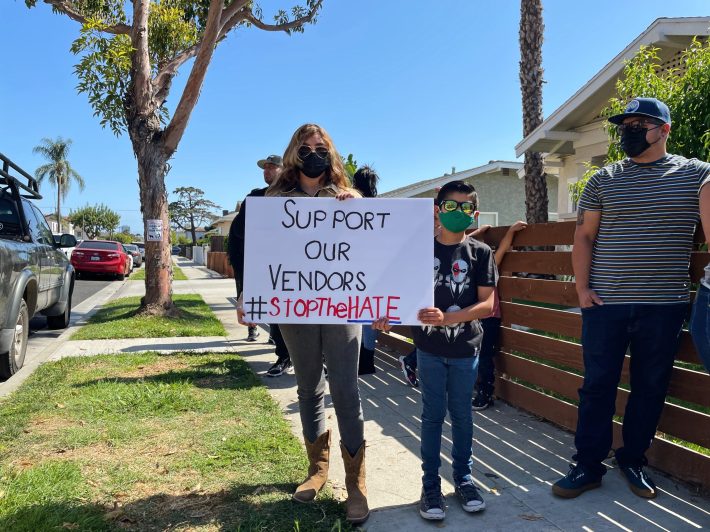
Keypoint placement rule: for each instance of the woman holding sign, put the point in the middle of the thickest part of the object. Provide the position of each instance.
(313, 168)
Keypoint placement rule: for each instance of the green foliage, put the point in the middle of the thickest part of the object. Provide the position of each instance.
(350, 165)
(684, 90)
(191, 210)
(575, 189)
(103, 72)
(58, 171)
(174, 27)
(124, 238)
(168, 31)
(94, 219)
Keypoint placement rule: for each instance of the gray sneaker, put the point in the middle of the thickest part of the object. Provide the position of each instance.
(253, 334)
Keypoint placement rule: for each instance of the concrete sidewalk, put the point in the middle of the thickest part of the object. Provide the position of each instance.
(516, 456)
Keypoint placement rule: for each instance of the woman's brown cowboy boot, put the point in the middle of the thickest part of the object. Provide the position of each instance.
(356, 507)
(318, 457)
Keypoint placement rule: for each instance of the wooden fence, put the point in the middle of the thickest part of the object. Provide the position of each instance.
(218, 243)
(218, 262)
(532, 355)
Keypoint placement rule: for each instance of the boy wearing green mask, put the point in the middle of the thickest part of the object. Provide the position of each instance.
(448, 343)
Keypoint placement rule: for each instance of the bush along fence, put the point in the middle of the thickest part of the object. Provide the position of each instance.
(540, 364)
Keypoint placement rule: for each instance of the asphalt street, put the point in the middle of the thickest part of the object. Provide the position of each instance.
(83, 289)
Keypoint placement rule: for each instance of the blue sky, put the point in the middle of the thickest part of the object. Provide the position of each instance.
(409, 86)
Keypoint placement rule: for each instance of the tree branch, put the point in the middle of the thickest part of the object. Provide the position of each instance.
(142, 92)
(230, 17)
(65, 7)
(162, 80)
(176, 128)
(284, 27)
(229, 12)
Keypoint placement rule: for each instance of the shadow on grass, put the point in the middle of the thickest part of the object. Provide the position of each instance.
(226, 374)
(241, 507)
(129, 310)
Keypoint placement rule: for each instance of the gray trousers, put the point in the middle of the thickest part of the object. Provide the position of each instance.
(340, 346)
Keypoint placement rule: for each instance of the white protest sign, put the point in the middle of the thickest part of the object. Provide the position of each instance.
(320, 260)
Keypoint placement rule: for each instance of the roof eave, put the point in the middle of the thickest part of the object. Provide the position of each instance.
(664, 31)
(423, 186)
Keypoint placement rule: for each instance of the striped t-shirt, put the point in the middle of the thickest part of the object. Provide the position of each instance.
(649, 214)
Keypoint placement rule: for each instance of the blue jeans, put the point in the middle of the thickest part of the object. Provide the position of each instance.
(489, 347)
(446, 383)
(369, 337)
(700, 324)
(651, 332)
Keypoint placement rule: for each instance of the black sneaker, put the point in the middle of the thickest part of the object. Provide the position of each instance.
(271, 340)
(639, 482)
(410, 374)
(253, 334)
(482, 401)
(279, 368)
(576, 482)
(432, 506)
(471, 500)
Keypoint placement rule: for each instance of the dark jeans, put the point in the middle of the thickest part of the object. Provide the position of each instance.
(651, 332)
(411, 359)
(279, 345)
(700, 324)
(446, 384)
(489, 348)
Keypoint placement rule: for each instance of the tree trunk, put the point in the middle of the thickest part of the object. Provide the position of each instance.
(59, 210)
(531, 79)
(192, 230)
(152, 167)
(154, 206)
(536, 201)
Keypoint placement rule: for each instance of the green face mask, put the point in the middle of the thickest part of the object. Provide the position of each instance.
(455, 221)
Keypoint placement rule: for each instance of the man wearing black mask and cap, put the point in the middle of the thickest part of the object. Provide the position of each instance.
(272, 167)
(635, 225)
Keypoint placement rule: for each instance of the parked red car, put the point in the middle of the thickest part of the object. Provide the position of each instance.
(101, 256)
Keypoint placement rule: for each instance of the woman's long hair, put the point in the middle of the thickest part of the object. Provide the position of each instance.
(335, 172)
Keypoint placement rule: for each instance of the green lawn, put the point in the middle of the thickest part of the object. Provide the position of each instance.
(139, 275)
(151, 442)
(118, 319)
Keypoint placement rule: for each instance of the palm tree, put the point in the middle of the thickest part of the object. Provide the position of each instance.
(58, 170)
(531, 33)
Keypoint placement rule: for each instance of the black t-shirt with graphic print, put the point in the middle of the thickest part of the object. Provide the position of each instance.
(459, 270)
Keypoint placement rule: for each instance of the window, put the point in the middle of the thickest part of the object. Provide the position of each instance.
(488, 218)
(44, 234)
(98, 244)
(9, 220)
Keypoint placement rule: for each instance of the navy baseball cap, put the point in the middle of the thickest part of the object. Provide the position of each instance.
(646, 107)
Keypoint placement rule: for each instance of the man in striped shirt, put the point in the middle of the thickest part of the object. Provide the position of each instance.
(635, 226)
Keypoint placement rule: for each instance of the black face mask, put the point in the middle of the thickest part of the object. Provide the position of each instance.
(313, 166)
(634, 143)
